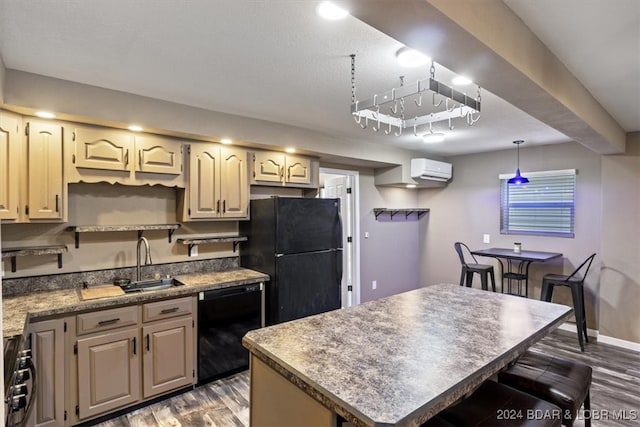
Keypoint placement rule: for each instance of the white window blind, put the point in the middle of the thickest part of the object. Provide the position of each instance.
(544, 206)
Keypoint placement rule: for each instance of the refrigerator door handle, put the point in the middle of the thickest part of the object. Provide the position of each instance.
(313, 252)
(339, 232)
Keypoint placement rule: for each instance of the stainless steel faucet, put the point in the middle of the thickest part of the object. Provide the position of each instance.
(147, 256)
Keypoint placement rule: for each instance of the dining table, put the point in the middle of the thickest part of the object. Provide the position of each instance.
(518, 264)
(394, 361)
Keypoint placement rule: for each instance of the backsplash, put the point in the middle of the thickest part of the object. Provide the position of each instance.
(23, 285)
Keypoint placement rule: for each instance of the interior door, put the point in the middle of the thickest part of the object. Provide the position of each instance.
(340, 187)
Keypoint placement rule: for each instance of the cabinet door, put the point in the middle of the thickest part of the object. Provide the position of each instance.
(10, 145)
(45, 171)
(108, 372)
(158, 155)
(167, 356)
(47, 349)
(234, 183)
(298, 170)
(204, 181)
(268, 167)
(98, 148)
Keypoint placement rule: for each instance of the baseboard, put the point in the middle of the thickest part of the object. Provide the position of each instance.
(591, 333)
(571, 327)
(629, 345)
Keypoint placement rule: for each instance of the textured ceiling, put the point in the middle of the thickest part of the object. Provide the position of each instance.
(277, 60)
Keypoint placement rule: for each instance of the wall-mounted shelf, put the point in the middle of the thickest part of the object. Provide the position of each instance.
(77, 229)
(418, 212)
(190, 243)
(33, 250)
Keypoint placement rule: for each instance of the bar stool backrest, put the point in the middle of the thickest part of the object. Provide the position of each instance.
(576, 272)
(459, 249)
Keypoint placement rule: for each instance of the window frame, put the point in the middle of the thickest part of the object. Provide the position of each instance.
(571, 205)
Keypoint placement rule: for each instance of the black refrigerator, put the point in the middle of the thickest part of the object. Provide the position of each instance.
(298, 243)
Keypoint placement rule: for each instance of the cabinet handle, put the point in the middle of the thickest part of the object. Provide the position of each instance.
(57, 204)
(218, 206)
(281, 172)
(126, 158)
(224, 206)
(148, 343)
(135, 351)
(169, 310)
(140, 158)
(108, 322)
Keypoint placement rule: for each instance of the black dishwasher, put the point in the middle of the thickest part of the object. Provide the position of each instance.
(224, 317)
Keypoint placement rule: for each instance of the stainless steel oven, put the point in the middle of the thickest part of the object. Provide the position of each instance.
(19, 380)
(224, 317)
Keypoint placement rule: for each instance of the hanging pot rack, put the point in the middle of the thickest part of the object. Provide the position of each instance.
(457, 105)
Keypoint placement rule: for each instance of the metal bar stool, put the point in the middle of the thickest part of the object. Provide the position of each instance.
(576, 283)
(468, 269)
(563, 382)
(494, 404)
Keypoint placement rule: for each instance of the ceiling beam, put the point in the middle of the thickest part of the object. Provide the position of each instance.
(488, 41)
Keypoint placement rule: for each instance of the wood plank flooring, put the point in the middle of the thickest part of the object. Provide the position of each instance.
(615, 391)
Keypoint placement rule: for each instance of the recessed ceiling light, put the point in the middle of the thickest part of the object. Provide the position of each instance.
(45, 115)
(226, 141)
(460, 80)
(328, 10)
(433, 137)
(135, 128)
(411, 58)
(290, 150)
(411, 186)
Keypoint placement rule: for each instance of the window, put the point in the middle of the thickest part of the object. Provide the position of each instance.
(545, 206)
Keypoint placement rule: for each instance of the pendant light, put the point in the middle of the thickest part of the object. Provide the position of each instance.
(518, 179)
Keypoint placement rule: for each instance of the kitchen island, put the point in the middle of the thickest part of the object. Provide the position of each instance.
(394, 361)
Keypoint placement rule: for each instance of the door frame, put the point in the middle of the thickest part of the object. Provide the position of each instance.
(355, 208)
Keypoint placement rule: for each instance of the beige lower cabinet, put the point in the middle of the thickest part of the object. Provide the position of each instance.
(47, 349)
(169, 354)
(126, 355)
(108, 372)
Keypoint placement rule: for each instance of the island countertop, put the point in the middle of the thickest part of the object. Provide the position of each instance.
(400, 360)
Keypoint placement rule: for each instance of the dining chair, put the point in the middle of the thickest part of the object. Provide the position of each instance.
(575, 281)
(468, 269)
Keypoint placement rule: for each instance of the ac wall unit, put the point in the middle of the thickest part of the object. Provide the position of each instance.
(430, 170)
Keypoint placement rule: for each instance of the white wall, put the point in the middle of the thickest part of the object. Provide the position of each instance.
(470, 207)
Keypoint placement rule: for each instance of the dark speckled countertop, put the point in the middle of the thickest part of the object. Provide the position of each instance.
(400, 360)
(17, 310)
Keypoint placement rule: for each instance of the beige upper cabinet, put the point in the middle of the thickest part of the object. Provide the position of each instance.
(158, 155)
(99, 148)
(218, 182)
(297, 170)
(44, 159)
(271, 168)
(10, 148)
(234, 183)
(101, 154)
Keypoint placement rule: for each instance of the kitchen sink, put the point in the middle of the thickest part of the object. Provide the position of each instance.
(150, 285)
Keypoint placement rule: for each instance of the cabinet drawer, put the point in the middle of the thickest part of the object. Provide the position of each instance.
(168, 308)
(107, 319)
